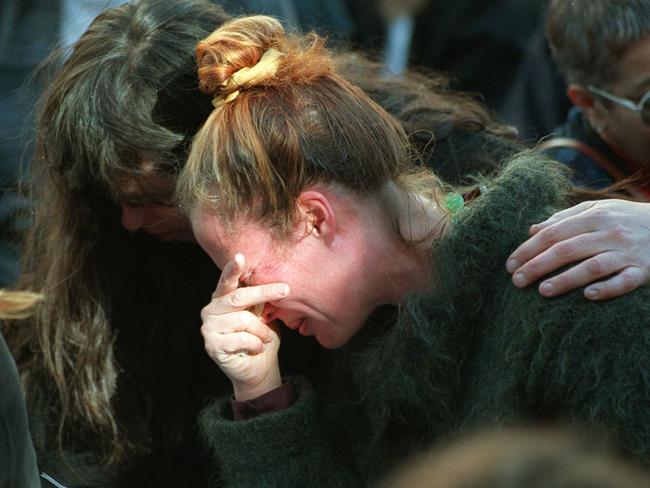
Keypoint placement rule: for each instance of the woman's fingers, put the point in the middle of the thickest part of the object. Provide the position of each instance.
(230, 276)
(246, 297)
(231, 296)
(240, 342)
(219, 345)
(242, 321)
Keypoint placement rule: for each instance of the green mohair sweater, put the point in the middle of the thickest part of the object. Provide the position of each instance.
(474, 352)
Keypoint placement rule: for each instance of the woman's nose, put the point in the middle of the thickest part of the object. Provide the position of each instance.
(132, 218)
(268, 313)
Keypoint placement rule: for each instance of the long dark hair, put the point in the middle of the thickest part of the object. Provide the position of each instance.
(116, 305)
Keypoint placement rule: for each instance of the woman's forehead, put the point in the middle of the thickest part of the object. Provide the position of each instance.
(223, 240)
(146, 184)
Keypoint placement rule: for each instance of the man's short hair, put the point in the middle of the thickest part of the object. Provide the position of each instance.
(588, 37)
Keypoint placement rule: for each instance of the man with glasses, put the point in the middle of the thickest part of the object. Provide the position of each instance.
(602, 48)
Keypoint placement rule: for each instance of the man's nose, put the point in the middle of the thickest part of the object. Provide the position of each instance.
(132, 218)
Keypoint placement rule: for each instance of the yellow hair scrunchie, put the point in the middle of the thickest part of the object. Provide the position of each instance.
(265, 68)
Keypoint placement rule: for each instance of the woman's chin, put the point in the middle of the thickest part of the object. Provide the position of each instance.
(328, 342)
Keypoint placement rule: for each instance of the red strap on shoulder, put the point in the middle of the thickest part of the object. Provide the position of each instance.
(615, 173)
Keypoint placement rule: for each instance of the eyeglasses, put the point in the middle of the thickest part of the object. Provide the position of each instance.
(642, 108)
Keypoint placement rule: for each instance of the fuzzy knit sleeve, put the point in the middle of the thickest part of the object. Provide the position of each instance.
(285, 449)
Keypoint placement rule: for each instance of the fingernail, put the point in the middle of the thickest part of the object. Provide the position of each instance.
(519, 279)
(512, 265)
(282, 290)
(547, 288)
(591, 293)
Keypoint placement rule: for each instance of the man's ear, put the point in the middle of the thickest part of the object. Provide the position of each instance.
(580, 96)
(316, 215)
(593, 112)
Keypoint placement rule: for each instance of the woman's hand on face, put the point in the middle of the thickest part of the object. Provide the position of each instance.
(238, 340)
(602, 238)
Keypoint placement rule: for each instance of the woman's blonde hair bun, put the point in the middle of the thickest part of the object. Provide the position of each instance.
(242, 53)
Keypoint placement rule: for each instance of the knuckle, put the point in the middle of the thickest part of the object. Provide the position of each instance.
(595, 266)
(232, 347)
(205, 313)
(249, 321)
(549, 236)
(236, 297)
(206, 331)
(629, 280)
(564, 250)
(533, 269)
(599, 213)
(267, 291)
(619, 235)
(211, 349)
(253, 324)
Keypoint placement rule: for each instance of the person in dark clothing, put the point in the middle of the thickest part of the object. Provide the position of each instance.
(112, 362)
(109, 360)
(536, 102)
(479, 43)
(302, 190)
(589, 160)
(603, 50)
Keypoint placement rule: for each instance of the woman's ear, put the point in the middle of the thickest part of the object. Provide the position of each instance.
(316, 216)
